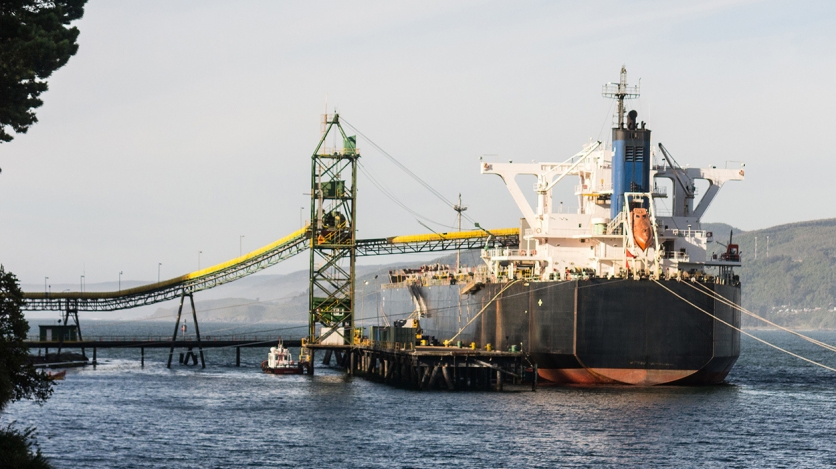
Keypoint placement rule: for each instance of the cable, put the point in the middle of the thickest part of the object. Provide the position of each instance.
(482, 310)
(406, 170)
(743, 310)
(393, 198)
(744, 332)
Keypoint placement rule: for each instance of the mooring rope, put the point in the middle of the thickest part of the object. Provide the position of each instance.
(705, 290)
(483, 309)
(744, 332)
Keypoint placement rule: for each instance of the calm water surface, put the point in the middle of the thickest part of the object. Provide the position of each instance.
(774, 411)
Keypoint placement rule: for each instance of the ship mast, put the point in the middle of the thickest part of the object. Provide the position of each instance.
(621, 91)
(459, 209)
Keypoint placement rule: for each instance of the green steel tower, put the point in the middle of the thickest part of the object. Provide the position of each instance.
(333, 238)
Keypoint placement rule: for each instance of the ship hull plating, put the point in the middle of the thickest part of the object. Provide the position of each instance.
(595, 331)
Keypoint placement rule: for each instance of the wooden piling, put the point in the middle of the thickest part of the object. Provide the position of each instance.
(447, 378)
(534, 379)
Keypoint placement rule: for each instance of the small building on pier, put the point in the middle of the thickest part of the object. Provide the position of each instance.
(55, 333)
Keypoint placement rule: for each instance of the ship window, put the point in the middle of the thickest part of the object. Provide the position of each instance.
(628, 153)
(639, 153)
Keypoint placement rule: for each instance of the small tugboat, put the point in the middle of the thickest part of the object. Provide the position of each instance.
(280, 362)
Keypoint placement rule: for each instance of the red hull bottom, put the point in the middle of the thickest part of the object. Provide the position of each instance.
(634, 377)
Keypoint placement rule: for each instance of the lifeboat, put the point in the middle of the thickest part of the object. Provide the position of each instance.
(642, 231)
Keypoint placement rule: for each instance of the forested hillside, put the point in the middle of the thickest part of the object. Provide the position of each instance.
(793, 282)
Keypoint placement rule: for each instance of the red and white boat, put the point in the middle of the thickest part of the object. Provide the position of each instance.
(280, 362)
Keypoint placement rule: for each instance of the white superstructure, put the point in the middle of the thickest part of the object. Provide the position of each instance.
(556, 245)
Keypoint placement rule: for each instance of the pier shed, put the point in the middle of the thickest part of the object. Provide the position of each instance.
(55, 333)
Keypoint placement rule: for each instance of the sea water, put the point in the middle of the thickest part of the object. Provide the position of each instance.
(773, 411)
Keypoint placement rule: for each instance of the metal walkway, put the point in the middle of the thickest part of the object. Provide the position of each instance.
(256, 261)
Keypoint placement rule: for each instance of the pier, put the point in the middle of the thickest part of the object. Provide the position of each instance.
(331, 242)
(432, 367)
(159, 342)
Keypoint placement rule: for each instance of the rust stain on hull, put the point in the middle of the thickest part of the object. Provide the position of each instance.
(634, 377)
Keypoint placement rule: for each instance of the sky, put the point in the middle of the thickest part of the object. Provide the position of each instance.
(180, 126)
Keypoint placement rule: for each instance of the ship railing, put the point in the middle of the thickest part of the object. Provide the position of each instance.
(687, 233)
(676, 256)
(509, 253)
(660, 191)
(556, 232)
(614, 226)
(593, 189)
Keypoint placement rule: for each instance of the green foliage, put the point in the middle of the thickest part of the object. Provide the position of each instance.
(18, 378)
(18, 449)
(34, 42)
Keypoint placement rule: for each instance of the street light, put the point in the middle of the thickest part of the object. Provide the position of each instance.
(198, 259)
(81, 283)
(301, 219)
(159, 264)
(240, 245)
(120, 280)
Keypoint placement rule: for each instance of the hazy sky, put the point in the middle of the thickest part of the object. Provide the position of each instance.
(180, 126)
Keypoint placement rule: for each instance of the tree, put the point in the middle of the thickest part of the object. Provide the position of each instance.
(18, 377)
(19, 450)
(34, 42)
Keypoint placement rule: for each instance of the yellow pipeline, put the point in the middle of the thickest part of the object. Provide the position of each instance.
(177, 280)
(246, 257)
(453, 235)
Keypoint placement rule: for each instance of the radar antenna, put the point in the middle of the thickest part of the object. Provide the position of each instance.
(621, 91)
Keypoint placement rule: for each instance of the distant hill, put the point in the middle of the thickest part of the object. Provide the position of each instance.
(795, 285)
(238, 310)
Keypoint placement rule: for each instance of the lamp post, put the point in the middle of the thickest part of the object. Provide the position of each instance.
(45, 279)
(120, 280)
(159, 264)
(81, 283)
(302, 216)
(240, 245)
(198, 259)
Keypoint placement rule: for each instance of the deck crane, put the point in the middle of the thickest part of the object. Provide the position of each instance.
(688, 185)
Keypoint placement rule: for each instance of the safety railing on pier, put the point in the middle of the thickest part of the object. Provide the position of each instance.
(260, 338)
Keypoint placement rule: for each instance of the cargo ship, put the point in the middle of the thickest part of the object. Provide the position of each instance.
(626, 289)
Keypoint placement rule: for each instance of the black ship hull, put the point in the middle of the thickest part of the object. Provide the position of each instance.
(587, 331)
